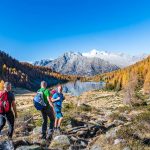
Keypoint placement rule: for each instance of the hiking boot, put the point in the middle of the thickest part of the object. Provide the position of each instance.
(49, 135)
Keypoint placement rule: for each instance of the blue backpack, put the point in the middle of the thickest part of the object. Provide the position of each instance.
(38, 101)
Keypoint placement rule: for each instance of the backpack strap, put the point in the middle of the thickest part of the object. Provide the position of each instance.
(3, 94)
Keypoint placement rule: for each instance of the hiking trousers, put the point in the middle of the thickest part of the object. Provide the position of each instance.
(9, 117)
(47, 113)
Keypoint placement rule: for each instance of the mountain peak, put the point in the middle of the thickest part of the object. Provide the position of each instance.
(119, 59)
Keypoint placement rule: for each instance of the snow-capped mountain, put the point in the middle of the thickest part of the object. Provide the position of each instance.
(90, 63)
(76, 64)
(119, 59)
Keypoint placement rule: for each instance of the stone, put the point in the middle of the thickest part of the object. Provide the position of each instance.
(61, 141)
(82, 133)
(96, 147)
(118, 122)
(33, 147)
(118, 141)
(7, 145)
(128, 123)
(37, 130)
(127, 148)
(111, 133)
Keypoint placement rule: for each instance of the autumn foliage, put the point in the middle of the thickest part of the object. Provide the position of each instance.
(120, 79)
(26, 75)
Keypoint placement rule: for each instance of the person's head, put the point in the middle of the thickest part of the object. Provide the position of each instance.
(7, 86)
(43, 84)
(59, 88)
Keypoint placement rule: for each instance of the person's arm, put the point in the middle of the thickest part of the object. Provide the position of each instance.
(54, 100)
(14, 108)
(49, 100)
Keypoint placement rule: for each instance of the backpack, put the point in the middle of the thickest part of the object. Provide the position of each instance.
(4, 103)
(52, 93)
(38, 101)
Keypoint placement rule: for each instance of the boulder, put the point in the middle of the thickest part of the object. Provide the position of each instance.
(61, 141)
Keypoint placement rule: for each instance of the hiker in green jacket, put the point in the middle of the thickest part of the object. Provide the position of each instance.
(47, 112)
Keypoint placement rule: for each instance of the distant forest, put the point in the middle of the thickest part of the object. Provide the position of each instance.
(26, 75)
(137, 74)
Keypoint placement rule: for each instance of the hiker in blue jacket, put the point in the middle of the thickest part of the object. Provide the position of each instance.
(57, 100)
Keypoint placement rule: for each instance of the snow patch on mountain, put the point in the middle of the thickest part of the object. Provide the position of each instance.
(119, 59)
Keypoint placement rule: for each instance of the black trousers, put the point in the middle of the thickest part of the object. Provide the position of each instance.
(9, 117)
(47, 113)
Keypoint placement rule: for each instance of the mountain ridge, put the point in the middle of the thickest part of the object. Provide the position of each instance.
(76, 64)
(119, 59)
(109, 61)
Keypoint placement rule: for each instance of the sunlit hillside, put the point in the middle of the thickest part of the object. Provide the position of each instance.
(139, 72)
(26, 75)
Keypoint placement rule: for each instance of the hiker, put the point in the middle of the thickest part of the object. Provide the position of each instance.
(47, 112)
(7, 109)
(57, 99)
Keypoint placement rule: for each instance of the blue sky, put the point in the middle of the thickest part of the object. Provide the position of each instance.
(36, 29)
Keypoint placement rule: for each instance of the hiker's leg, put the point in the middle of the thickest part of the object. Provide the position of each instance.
(59, 122)
(10, 121)
(56, 122)
(44, 124)
(2, 122)
(51, 116)
(60, 117)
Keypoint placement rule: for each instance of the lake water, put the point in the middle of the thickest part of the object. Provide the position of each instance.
(78, 87)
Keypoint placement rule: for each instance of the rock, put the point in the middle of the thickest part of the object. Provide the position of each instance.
(83, 144)
(108, 114)
(127, 148)
(118, 122)
(37, 130)
(33, 147)
(96, 147)
(82, 133)
(76, 147)
(111, 133)
(128, 123)
(69, 126)
(7, 145)
(118, 141)
(61, 141)
(72, 138)
(36, 134)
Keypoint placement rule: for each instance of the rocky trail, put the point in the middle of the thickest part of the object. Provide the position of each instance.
(92, 121)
